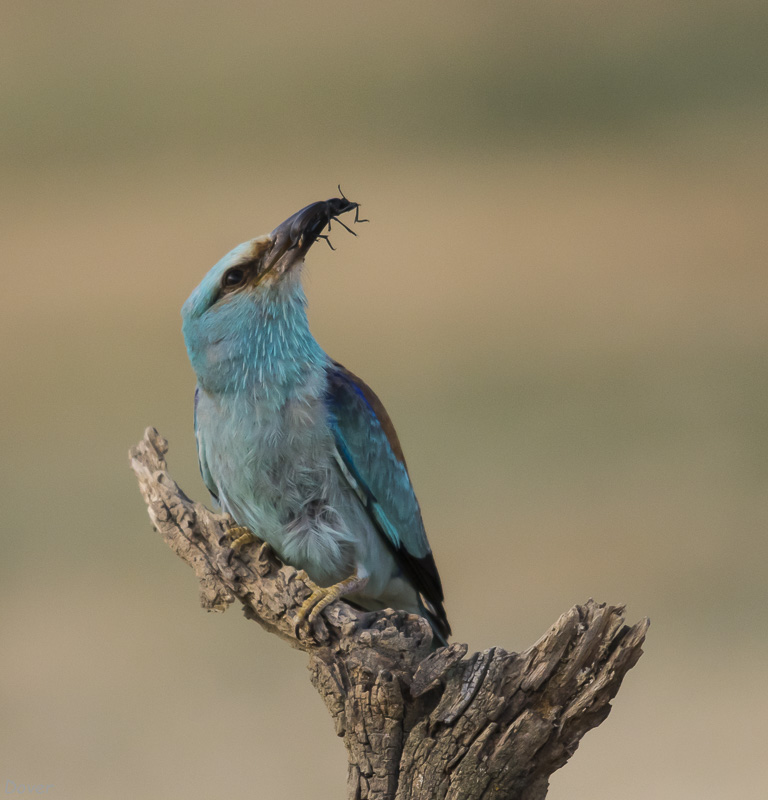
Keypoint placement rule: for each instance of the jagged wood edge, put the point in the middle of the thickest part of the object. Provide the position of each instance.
(416, 724)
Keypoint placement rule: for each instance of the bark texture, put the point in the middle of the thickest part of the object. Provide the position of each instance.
(417, 724)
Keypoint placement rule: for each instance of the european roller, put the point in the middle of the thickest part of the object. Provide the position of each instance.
(298, 450)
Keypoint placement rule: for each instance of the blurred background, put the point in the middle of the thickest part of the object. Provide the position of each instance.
(561, 297)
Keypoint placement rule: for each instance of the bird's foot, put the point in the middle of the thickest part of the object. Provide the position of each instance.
(322, 597)
(240, 537)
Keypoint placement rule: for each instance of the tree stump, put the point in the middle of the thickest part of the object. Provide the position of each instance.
(418, 724)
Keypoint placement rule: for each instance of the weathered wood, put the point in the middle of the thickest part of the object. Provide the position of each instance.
(417, 724)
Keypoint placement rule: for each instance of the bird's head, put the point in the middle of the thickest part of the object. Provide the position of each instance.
(253, 286)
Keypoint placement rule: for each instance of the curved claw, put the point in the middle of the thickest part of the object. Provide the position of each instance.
(322, 597)
(240, 537)
(306, 606)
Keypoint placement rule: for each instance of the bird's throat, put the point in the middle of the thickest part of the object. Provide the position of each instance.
(268, 354)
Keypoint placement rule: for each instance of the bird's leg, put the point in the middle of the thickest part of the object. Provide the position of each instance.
(240, 537)
(323, 596)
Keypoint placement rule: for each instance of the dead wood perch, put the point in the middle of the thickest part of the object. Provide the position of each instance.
(417, 725)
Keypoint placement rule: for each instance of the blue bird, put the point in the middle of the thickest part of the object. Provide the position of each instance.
(297, 449)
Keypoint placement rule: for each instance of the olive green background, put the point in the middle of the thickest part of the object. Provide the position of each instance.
(561, 297)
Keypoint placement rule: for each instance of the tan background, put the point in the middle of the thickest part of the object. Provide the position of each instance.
(561, 296)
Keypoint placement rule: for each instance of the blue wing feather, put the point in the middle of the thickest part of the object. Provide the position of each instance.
(368, 445)
(210, 484)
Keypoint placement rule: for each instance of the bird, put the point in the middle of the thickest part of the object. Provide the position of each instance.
(298, 450)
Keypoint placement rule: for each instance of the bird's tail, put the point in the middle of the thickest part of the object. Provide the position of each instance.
(438, 621)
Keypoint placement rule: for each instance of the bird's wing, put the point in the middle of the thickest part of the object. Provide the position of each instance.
(372, 460)
(210, 484)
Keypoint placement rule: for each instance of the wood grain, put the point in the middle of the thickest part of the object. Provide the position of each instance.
(418, 724)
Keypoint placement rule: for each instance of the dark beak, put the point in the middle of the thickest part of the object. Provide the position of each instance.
(292, 239)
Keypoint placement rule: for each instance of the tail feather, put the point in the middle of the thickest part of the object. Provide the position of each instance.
(438, 621)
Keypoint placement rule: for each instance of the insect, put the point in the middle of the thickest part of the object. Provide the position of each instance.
(306, 225)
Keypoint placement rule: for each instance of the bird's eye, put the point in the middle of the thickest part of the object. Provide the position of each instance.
(233, 277)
